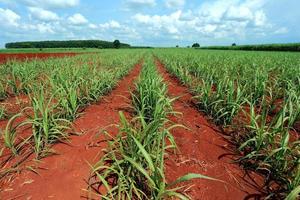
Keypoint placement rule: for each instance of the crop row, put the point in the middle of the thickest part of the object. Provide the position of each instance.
(256, 98)
(133, 165)
(58, 90)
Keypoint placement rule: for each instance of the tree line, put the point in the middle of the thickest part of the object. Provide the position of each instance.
(259, 47)
(68, 44)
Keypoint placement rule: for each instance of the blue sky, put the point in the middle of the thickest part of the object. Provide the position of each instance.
(152, 22)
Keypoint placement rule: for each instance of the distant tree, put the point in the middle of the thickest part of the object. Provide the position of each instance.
(188, 47)
(196, 45)
(117, 44)
(233, 44)
(177, 46)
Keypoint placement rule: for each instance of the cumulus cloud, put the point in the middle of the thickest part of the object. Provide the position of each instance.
(238, 13)
(9, 18)
(110, 25)
(138, 4)
(174, 3)
(218, 19)
(169, 23)
(92, 26)
(45, 28)
(77, 19)
(51, 3)
(113, 29)
(260, 18)
(42, 14)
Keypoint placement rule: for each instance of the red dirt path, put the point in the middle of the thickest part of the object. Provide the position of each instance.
(4, 57)
(200, 151)
(65, 174)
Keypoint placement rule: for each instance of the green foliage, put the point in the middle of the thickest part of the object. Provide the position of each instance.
(47, 125)
(294, 194)
(2, 112)
(259, 47)
(117, 44)
(9, 134)
(65, 44)
(196, 45)
(2, 90)
(149, 91)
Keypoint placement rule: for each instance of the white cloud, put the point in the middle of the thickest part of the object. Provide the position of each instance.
(169, 23)
(77, 19)
(142, 18)
(239, 13)
(45, 28)
(174, 3)
(51, 3)
(225, 19)
(9, 18)
(42, 14)
(112, 30)
(209, 28)
(92, 26)
(260, 18)
(138, 4)
(110, 25)
(187, 16)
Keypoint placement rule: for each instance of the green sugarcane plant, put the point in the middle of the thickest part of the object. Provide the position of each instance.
(47, 125)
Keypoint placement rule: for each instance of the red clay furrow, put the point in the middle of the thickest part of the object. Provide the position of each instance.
(4, 57)
(65, 175)
(200, 150)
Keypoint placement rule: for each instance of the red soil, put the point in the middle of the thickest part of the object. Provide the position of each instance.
(64, 176)
(202, 149)
(4, 57)
(297, 126)
(14, 104)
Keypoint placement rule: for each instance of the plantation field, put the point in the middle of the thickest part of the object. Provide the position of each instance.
(50, 50)
(6, 57)
(150, 124)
